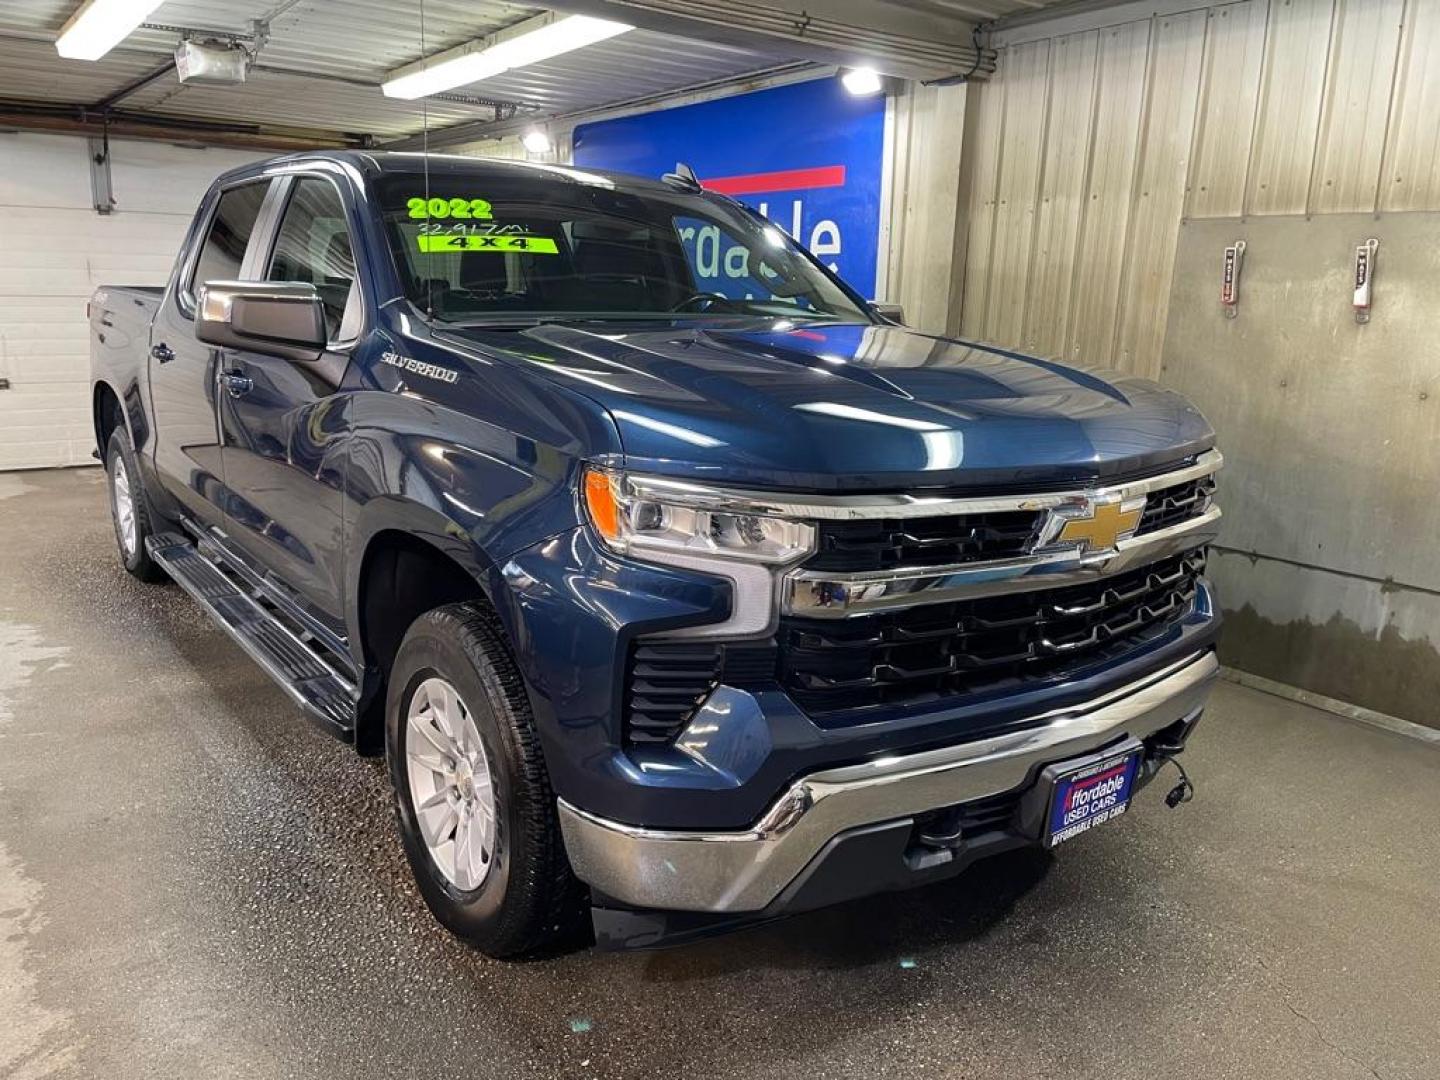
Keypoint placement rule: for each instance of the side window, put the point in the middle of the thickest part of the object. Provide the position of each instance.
(230, 229)
(314, 246)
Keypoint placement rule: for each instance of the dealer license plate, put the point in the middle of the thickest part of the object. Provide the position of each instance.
(1090, 796)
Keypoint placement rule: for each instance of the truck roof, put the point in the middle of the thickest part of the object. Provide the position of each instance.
(385, 162)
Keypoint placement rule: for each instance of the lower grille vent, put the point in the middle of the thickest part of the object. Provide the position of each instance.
(667, 680)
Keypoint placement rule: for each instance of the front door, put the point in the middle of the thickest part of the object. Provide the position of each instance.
(282, 422)
(183, 368)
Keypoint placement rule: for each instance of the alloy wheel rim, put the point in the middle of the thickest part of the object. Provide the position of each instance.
(451, 789)
(124, 507)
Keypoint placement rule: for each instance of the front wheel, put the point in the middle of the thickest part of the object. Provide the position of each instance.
(476, 813)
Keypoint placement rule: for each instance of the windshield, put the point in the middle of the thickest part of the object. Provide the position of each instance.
(515, 249)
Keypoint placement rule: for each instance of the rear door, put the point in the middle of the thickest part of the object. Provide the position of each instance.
(282, 422)
(183, 368)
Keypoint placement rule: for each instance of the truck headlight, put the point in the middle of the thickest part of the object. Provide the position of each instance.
(672, 522)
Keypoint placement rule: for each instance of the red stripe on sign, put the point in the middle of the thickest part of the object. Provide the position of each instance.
(821, 176)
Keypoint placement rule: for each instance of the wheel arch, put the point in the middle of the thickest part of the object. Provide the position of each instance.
(106, 413)
(402, 571)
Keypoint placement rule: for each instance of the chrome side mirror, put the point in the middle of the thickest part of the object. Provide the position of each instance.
(890, 313)
(279, 318)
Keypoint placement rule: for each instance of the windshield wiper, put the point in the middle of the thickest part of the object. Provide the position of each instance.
(529, 322)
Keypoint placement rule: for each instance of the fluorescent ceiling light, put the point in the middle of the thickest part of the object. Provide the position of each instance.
(536, 141)
(525, 43)
(99, 25)
(862, 81)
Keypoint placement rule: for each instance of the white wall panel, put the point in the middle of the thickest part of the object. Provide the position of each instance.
(1411, 177)
(1051, 273)
(1234, 49)
(55, 249)
(1259, 107)
(1357, 105)
(923, 225)
(1291, 94)
(1107, 206)
(1165, 149)
(988, 130)
(1287, 123)
(1018, 185)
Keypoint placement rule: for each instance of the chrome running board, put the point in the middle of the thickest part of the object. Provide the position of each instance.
(288, 654)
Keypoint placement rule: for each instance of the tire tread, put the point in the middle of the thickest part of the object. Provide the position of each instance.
(140, 565)
(546, 900)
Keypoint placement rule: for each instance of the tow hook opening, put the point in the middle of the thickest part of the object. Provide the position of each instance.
(941, 835)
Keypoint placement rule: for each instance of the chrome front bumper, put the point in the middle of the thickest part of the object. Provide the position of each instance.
(744, 871)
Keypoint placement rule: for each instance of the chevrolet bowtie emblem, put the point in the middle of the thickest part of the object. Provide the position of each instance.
(1098, 526)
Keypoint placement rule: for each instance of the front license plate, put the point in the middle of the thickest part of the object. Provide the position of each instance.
(1090, 796)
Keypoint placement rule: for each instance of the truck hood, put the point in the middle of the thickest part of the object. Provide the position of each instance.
(853, 407)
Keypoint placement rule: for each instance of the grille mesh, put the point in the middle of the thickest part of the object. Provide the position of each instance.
(938, 541)
(971, 646)
(956, 539)
(1176, 504)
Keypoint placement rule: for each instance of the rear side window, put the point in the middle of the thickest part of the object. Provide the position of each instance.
(313, 246)
(230, 229)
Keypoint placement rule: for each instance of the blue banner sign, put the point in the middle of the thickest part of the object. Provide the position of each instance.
(808, 156)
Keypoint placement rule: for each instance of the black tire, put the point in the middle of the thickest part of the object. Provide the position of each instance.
(529, 899)
(134, 557)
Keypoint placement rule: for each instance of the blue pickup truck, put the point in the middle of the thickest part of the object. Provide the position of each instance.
(679, 585)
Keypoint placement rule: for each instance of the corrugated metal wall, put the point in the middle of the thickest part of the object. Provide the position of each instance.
(1089, 148)
(921, 227)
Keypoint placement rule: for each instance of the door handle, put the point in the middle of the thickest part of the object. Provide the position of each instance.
(237, 384)
(162, 352)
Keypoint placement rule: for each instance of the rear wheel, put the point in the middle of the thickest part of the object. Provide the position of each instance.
(476, 813)
(128, 508)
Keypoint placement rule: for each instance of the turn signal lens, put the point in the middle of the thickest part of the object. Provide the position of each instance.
(603, 504)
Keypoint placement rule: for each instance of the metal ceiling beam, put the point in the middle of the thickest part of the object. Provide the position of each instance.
(116, 96)
(908, 43)
(85, 116)
(77, 120)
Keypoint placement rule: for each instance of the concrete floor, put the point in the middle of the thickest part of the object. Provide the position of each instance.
(196, 883)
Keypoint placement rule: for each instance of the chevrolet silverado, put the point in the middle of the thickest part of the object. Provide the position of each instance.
(679, 585)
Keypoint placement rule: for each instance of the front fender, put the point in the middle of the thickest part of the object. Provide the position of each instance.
(473, 490)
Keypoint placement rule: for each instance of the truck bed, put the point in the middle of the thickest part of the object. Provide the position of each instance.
(120, 317)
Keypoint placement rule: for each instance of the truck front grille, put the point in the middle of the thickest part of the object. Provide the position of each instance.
(950, 540)
(877, 544)
(1176, 504)
(980, 645)
(916, 654)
